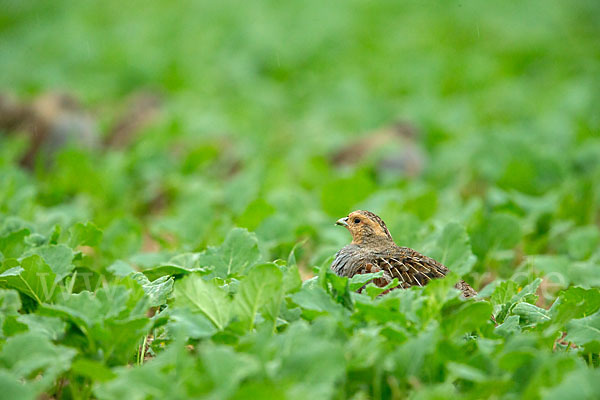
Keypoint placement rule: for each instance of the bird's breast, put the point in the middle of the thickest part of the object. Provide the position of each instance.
(349, 260)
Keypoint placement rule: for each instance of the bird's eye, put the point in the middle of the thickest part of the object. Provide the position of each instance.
(357, 220)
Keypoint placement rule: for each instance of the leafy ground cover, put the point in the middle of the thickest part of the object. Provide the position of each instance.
(192, 261)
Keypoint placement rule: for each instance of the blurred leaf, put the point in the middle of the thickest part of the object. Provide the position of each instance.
(226, 368)
(50, 327)
(580, 384)
(340, 196)
(238, 252)
(58, 257)
(585, 331)
(582, 242)
(453, 249)
(84, 234)
(497, 232)
(12, 245)
(573, 303)
(190, 324)
(92, 369)
(30, 354)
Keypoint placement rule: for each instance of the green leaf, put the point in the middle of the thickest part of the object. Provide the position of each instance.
(470, 316)
(226, 368)
(529, 314)
(84, 234)
(29, 354)
(238, 252)
(497, 232)
(509, 327)
(340, 196)
(158, 290)
(120, 268)
(573, 303)
(12, 245)
(32, 276)
(181, 264)
(360, 280)
(14, 388)
(111, 321)
(92, 369)
(204, 297)
(262, 284)
(581, 384)
(58, 257)
(585, 331)
(51, 327)
(189, 324)
(315, 298)
(9, 307)
(582, 242)
(453, 249)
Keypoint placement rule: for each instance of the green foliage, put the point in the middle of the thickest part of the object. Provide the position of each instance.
(193, 262)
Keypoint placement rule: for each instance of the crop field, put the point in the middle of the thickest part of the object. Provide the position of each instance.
(171, 174)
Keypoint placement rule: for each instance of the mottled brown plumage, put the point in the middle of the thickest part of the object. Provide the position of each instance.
(373, 250)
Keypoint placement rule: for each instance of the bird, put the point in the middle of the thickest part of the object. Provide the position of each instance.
(373, 250)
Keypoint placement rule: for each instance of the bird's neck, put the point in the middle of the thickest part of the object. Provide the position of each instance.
(373, 241)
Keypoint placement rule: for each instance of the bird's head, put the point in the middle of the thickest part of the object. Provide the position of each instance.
(366, 228)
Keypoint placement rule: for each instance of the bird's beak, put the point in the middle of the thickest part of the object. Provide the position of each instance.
(342, 221)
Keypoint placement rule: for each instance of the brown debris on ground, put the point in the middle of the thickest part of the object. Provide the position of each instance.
(54, 120)
(396, 144)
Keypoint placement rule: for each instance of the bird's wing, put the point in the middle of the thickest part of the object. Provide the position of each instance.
(409, 266)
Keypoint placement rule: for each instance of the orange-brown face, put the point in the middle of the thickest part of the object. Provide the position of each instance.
(365, 227)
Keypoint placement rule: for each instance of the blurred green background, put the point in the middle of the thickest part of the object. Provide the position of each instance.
(480, 113)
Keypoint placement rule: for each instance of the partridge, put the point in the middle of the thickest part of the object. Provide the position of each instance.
(373, 250)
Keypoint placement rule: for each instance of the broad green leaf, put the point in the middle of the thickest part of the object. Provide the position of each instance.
(189, 324)
(165, 377)
(509, 327)
(120, 268)
(315, 298)
(158, 290)
(111, 321)
(582, 242)
(497, 232)
(529, 314)
(84, 234)
(9, 307)
(238, 252)
(504, 293)
(340, 196)
(467, 318)
(262, 284)
(226, 368)
(575, 302)
(204, 297)
(29, 354)
(92, 369)
(12, 245)
(58, 257)
(583, 383)
(122, 238)
(181, 264)
(453, 249)
(32, 276)
(14, 388)
(585, 331)
(51, 327)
